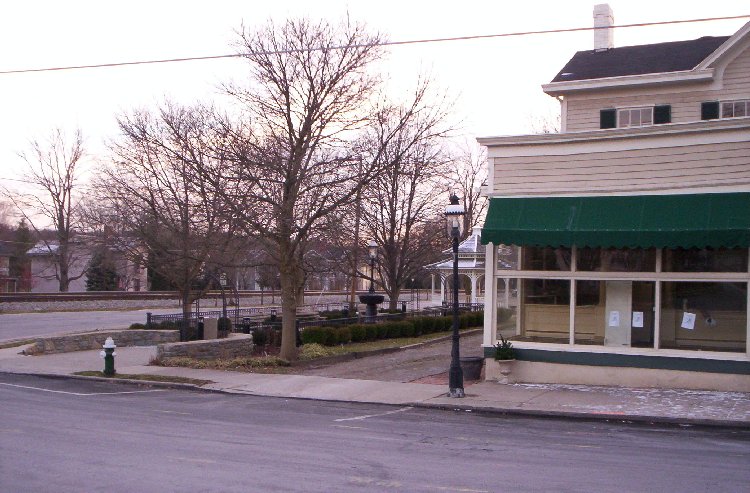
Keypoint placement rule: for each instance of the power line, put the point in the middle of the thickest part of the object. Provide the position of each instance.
(385, 43)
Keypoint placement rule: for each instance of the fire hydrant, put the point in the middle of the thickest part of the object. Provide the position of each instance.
(109, 357)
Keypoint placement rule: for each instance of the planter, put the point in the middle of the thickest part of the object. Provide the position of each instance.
(505, 369)
(472, 367)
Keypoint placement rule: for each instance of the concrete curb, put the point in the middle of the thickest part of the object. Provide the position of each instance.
(580, 416)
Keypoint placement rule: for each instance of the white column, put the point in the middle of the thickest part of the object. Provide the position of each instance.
(442, 289)
(490, 296)
(432, 285)
(473, 278)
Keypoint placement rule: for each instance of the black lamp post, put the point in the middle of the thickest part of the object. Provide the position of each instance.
(372, 300)
(454, 214)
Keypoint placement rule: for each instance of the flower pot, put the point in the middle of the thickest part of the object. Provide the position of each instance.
(472, 367)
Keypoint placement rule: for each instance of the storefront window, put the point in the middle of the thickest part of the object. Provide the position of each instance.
(507, 257)
(507, 306)
(615, 313)
(704, 316)
(705, 260)
(546, 258)
(545, 312)
(616, 259)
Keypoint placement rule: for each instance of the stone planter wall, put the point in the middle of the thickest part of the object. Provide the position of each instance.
(239, 345)
(95, 340)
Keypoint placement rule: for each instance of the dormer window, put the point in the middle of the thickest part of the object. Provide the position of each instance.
(735, 109)
(711, 110)
(635, 117)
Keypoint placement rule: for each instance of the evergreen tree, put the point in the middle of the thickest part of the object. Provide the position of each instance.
(101, 274)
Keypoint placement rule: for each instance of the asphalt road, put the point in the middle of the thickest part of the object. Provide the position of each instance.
(70, 435)
(22, 325)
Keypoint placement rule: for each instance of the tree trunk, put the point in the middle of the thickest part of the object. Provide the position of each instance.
(289, 292)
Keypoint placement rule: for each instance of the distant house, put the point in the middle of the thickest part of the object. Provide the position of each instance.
(631, 227)
(131, 276)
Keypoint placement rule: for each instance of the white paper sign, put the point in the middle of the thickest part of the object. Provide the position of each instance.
(688, 321)
(637, 319)
(614, 319)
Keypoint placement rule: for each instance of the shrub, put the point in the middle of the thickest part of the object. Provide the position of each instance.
(343, 335)
(166, 325)
(224, 325)
(428, 325)
(504, 349)
(137, 326)
(408, 329)
(382, 330)
(315, 335)
(313, 351)
(392, 329)
(371, 331)
(358, 332)
(260, 337)
(331, 314)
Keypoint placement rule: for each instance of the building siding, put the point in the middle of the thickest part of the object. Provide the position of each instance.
(734, 83)
(632, 165)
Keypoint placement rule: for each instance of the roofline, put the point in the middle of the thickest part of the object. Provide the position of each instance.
(684, 76)
(724, 48)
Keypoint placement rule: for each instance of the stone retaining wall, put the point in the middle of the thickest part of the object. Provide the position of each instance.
(211, 303)
(95, 340)
(236, 346)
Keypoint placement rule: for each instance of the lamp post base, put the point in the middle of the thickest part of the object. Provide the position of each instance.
(458, 392)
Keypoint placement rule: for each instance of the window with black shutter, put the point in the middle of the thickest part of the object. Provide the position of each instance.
(608, 118)
(662, 114)
(709, 110)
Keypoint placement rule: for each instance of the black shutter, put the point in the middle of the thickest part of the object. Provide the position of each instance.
(710, 110)
(607, 118)
(662, 114)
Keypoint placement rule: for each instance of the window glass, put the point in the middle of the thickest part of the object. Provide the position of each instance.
(635, 117)
(545, 310)
(646, 116)
(615, 313)
(727, 110)
(507, 257)
(546, 258)
(708, 316)
(507, 305)
(705, 260)
(739, 109)
(616, 259)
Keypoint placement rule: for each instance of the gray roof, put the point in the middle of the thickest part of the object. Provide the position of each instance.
(638, 60)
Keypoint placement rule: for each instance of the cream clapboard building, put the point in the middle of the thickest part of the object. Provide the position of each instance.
(629, 229)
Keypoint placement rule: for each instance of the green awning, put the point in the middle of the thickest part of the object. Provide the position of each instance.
(643, 221)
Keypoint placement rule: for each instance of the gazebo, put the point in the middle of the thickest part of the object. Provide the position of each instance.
(471, 257)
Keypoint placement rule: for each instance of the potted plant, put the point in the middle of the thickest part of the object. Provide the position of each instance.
(505, 354)
(504, 350)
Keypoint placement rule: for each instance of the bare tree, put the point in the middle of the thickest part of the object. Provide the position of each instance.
(309, 90)
(468, 177)
(53, 167)
(400, 202)
(168, 215)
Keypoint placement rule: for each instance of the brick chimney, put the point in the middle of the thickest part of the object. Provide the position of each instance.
(604, 34)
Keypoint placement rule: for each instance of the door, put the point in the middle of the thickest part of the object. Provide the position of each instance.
(618, 313)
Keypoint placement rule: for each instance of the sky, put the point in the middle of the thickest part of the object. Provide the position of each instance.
(496, 83)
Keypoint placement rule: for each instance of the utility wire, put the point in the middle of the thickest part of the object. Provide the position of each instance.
(384, 43)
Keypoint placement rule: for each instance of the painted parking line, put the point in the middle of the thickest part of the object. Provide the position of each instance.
(358, 418)
(81, 394)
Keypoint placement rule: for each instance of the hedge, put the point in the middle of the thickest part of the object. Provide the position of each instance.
(332, 336)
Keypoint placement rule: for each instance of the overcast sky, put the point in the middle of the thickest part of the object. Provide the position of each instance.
(495, 82)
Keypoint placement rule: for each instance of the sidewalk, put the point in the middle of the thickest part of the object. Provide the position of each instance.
(572, 401)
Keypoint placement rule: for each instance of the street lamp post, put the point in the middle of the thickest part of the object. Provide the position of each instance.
(372, 300)
(454, 213)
